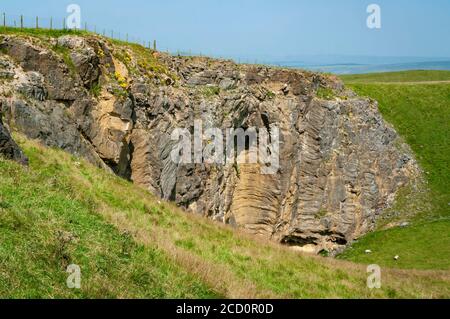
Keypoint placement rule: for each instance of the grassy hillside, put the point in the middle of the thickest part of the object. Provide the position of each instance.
(62, 210)
(47, 223)
(421, 114)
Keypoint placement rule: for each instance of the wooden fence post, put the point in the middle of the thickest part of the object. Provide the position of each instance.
(37, 22)
(4, 20)
(21, 22)
(51, 23)
(154, 45)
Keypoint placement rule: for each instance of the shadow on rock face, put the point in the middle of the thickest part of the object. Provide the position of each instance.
(8, 148)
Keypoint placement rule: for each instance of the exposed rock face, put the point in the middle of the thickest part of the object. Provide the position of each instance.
(8, 148)
(117, 106)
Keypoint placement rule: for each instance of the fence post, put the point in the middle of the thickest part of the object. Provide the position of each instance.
(51, 23)
(85, 26)
(37, 22)
(21, 22)
(154, 45)
(4, 20)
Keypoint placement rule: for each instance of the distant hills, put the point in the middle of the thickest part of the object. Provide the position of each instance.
(371, 68)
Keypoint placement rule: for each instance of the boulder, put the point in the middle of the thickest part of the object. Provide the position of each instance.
(32, 86)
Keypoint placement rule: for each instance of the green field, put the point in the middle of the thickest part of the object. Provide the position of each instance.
(420, 112)
(399, 77)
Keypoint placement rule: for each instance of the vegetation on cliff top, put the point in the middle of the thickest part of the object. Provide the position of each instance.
(42, 32)
(141, 59)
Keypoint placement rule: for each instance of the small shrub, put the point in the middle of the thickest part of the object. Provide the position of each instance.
(121, 80)
(210, 91)
(96, 89)
(119, 92)
(270, 95)
(65, 54)
(325, 93)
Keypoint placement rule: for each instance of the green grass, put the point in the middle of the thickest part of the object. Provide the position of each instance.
(325, 93)
(210, 91)
(96, 90)
(144, 60)
(65, 54)
(128, 244)
(44, 227)
(423, 245)
(421, 114)
(398, 77)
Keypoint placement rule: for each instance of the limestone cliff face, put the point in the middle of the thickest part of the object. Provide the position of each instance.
(117, 105)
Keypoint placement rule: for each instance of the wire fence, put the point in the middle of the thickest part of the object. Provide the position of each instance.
(53, 23)
(60, 23)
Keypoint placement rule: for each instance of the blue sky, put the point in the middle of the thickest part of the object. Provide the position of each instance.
(277, 29)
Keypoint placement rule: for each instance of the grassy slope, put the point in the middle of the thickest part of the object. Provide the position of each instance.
(46, 224)
(130, 245)
(421, 114)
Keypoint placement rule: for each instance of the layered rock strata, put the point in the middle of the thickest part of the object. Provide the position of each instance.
(117, 105)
